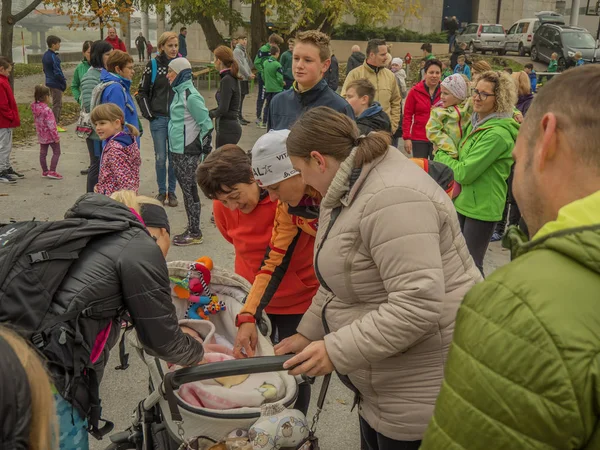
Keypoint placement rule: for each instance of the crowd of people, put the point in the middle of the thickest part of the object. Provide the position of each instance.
(365, 262)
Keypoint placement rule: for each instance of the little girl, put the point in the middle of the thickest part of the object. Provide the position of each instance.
(47, 133)
(120, 162)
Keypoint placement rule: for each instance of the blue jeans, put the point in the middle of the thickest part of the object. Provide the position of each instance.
(159, 128)
(72, 427)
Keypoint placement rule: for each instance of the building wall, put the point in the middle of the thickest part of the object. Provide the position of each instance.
(511, 10)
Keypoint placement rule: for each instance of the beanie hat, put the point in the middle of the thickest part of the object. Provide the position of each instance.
(397, 61)
(270, 161)
(179, 64)
(457, 85)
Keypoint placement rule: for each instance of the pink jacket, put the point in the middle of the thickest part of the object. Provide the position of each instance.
(120, 165)
(45, 124)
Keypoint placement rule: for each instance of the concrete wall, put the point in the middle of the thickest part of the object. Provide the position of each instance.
(511, 10)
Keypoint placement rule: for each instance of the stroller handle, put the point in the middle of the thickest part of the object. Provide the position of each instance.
(173, 380)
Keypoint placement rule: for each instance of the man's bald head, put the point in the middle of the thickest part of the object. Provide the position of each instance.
(355, 48)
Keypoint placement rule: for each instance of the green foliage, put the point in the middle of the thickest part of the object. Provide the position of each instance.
(70, 113)
(395, 34)
(24, 70)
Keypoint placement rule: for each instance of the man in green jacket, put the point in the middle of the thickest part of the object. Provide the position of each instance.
(264, 53)
(524, 368)
(273, 76)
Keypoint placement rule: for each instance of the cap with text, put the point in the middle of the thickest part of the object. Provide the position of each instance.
(270, 161)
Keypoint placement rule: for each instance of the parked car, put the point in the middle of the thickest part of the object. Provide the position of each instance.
(565, 41)
(483, 37)
(520, 36)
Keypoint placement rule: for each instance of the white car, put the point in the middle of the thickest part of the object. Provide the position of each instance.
(520, 35)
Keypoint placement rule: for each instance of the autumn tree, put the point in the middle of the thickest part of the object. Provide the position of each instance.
(94, 13)
(8, 20)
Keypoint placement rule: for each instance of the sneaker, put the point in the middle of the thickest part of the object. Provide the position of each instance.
(258, 122)
(13, 172)
(45, 174)
(54, 175)
(496, 237)
(161, 198)
(263, 126)
(244, 122)
(5, 178)
(172, 200)
(187, 238)
(60, 129)
(84, 171)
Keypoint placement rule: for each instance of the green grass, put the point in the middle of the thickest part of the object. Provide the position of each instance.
(70, 114)
(24, 70)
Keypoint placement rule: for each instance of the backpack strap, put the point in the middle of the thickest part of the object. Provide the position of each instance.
(154, 65)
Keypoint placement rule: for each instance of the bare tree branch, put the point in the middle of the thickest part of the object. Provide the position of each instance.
(29, 8)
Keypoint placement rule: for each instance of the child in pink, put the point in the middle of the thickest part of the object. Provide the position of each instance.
(45, 125)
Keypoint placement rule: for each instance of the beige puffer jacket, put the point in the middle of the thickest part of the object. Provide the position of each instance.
(398, 267)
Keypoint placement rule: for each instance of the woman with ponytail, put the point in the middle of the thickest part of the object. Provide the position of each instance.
(229, 130)
(390, 252)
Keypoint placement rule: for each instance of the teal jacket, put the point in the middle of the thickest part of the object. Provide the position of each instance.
(286, 60)
(80, 71)
(263, 54)
(190, 122)
(89, 81)
(523, 372)
(273, 75)
(483, 165)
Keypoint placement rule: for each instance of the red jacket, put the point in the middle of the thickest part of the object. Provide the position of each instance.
(9, 114)
(416, 112)
(117, 44)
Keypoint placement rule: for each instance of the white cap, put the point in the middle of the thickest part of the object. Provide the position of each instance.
(270, 161)
(179, 64)
(397, 61)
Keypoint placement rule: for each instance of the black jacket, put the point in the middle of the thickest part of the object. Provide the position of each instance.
(454, 57)
(374, 119)
(287, 106)
(356, 60)
(228, 98)
(129, 267)
(155, 99)
(333, 74)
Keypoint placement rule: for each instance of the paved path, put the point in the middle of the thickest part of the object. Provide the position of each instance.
(44, 199)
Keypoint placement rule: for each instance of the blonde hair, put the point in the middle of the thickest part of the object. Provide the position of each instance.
(318, 39)
(134, 201)
(504, 90)
(166, 37)
(522, 83)
(578, 55)
(111, 112)
(43, 431)
(335, 135)
(480, 66)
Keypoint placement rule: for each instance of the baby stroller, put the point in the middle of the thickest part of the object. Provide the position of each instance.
(163, 421)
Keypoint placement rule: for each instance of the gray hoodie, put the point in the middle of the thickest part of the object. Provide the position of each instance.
(239, 53)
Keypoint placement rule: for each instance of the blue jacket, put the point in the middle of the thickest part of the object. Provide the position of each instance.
(55, 78)
(287, 106)
(119, 94)
(466, 70)
(182, 46)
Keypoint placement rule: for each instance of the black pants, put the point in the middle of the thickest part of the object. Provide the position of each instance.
(141, 53)
(372, 440)
(260, 100)
(268, 98)
(283, 326)
(185, 171)
(94, 170)
(422, 149)
(477, 235)
(244, 90)
(228, 132)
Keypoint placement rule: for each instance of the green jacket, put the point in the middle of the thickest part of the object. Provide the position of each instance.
(80, 71)
(482, 167)
(189, 121)
(523, 372)
(286, 60)
(273, 75)
(553, 66)
(263, 54)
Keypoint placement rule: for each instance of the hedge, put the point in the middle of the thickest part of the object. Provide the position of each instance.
(395, 34)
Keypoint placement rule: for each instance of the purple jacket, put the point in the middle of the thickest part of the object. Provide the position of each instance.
(524, 102)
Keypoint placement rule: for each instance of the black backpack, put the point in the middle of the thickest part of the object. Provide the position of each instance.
(35, 258)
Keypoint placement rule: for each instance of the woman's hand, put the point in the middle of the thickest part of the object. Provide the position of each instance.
(246, 339)
(312, 361)
(408, 146)
(518, 116)
(293, 344)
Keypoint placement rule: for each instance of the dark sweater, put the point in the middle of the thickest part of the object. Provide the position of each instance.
(228, 98)
(374, 119)
(454, 57)
(154, 99)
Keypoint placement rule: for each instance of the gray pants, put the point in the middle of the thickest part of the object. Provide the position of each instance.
(5, 148)
(57, 96)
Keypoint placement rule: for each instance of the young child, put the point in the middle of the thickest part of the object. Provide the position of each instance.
(462, 67)
(553, 66)
(149, 49)
(273, 77)
(400, 73)
(55, 79)
(529, 70)
(459, 50)
(446, 123)
(45, 126)
(370, 116)
(579, 59)
(446, 70)
(9, 119)
(121, 160)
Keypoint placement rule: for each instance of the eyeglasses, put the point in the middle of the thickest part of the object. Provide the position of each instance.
(482, 95)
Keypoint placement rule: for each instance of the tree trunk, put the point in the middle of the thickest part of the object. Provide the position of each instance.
(258, 32)
(328, 25)
(213, 37)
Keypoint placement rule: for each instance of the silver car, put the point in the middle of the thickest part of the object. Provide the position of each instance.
(483, 37)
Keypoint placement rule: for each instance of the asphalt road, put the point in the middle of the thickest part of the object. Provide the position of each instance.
(45, 199)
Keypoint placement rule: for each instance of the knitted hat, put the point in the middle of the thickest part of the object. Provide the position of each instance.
(179, 64)
(397, 61)
(270, 161)
(457, 86)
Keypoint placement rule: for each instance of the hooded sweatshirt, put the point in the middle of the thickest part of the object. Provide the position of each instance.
(374, 118)
(9, 113)
(118, 93)
(483, 165)
(120, 165)
(356, 60)
(116, 43)
(45, 124)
